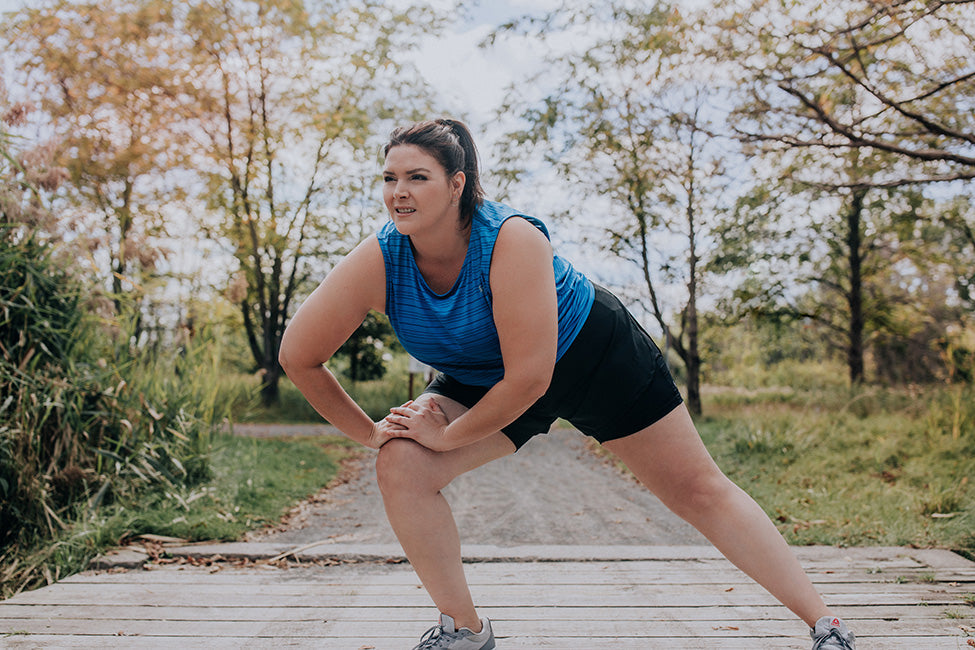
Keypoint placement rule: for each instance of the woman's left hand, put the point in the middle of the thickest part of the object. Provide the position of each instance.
(423, 421)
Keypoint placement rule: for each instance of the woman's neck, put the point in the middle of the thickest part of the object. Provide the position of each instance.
(442, 247)
(440, 258)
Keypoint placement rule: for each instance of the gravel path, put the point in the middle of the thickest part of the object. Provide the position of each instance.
(553, 491)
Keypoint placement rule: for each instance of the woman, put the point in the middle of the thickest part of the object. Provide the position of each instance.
(520, 338)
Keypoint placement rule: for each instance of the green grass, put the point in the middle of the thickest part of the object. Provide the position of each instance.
(874, 467)
(254, 482)
(375, 397)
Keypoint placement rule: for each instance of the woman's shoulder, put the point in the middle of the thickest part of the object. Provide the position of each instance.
(497, 214)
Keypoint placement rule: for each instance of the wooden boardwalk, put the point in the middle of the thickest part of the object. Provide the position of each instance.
(654, 597)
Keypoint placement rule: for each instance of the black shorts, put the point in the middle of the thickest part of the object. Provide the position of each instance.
(612, 381)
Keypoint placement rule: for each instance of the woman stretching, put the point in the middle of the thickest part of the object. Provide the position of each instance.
(520, 339)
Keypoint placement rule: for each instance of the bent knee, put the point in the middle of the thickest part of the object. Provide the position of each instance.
(405, 466)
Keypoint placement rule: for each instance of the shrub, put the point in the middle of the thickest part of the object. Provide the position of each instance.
(84, 418)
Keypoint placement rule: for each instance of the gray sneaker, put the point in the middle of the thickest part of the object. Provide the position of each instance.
(831, 633)
(447, 636)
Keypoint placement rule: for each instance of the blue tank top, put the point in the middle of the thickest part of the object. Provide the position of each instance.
(454, 332)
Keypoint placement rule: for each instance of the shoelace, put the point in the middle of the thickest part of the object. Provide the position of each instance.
(833, 635)
(434, 638)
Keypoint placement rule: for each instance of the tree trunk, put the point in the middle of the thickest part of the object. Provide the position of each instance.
(693, 357)
(854, 353)
(270, 392)
(693, 365)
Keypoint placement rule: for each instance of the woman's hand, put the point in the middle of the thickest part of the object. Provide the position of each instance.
(382, 432)
(423, 421)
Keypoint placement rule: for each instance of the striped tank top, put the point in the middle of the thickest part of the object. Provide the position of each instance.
(454, 332)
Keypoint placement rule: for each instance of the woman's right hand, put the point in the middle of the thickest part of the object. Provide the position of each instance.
(382, 432)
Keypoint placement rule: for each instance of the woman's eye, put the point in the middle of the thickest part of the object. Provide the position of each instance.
(419, 177)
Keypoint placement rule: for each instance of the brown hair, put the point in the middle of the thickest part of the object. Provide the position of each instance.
(451, 143)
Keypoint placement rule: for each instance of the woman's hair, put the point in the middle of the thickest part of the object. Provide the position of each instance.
(451, 143)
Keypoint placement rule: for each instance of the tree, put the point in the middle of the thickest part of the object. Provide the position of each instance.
(103, 76)
(631, 125)
(27, 173)
(855, 260)
(288, 98)
(366, 346)
(905, 67)
(851, 104)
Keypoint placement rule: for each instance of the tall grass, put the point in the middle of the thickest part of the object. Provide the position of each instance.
(85, 419)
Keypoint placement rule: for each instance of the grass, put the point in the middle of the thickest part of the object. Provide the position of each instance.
(873, 467)
(850, 467)
(375, 397)
(254, 482)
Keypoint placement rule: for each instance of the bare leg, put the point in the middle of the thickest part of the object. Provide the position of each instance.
(410, 479)
(670, 459)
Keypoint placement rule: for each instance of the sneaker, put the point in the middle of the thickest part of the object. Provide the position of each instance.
(831, 633)
(447, 636)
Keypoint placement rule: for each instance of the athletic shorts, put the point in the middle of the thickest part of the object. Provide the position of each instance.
(612, 381)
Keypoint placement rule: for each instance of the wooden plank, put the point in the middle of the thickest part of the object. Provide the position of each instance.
(398, 643)
(536, 613)
(650, 629)
(532, 573)
(203, 591)
(812, 557)
(493, 597)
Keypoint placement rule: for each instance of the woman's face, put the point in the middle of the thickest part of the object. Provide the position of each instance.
(418, 192)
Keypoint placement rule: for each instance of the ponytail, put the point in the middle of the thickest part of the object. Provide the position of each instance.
(451, 143)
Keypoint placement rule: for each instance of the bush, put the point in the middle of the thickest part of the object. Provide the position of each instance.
(84, 418)
(40, 316)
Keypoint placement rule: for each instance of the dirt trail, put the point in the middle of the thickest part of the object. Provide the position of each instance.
(553, 491)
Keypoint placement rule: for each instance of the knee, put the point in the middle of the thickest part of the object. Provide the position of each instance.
(701, 494)
(405, 467)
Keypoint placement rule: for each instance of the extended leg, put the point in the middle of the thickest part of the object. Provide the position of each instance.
(410, 479)
(670, 459)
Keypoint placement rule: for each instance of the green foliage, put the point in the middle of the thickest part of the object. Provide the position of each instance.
(376, 397)
(366, 348)
(86, 420)
(40, 315)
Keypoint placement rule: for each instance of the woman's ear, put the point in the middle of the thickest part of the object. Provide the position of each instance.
(457, 182)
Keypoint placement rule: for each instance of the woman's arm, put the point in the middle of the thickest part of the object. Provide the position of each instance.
(526, 317)
(322, 324)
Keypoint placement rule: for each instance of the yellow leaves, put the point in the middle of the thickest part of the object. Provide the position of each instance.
(825, 102)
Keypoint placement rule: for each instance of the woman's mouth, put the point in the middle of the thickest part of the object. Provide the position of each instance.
(405, 210)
